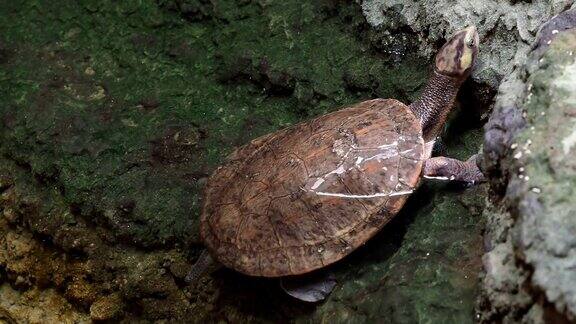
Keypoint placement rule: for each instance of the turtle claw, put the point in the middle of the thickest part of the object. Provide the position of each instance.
(443, 168)
(309, 288)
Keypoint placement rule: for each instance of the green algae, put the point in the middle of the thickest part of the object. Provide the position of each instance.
(114, 114)
(130, 103)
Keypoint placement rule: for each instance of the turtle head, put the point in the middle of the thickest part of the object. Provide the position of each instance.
(457, 57)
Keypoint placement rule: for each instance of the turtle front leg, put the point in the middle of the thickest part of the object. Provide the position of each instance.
(444, 168)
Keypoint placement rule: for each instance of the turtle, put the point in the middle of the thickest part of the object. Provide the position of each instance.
(291, 202)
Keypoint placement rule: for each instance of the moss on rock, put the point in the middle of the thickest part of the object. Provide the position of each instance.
(124, 107)
(530, 235)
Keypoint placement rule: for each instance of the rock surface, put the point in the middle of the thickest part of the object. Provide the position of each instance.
(36, 306)
(507, 28)
(529, 149)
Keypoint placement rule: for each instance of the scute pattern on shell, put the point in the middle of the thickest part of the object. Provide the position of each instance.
(304, 197)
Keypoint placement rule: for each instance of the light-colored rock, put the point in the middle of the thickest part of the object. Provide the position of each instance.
(507, 28)
(37, 306)
(531, 233)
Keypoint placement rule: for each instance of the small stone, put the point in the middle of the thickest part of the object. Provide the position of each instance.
(99, 93)
(89, 71)
(81, 292)
(10, 215)
(20, 280)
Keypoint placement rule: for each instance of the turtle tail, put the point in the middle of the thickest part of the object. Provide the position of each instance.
(203, 265)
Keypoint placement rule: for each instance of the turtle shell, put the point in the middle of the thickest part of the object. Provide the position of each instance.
(304, 197)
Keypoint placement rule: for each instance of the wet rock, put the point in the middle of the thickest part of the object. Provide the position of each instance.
(531, 227)
(178, 268)
(81, 292)
(177, 145)
(106, 308)
(37, 306)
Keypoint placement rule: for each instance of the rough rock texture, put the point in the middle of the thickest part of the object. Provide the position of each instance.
(37, 306)
(529, 150)
(114, 112)
(507, 28)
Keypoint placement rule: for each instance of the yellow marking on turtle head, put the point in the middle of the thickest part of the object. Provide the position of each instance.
(458, 55)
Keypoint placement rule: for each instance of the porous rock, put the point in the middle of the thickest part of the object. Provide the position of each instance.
(529, 155)
(106, 308)
(507, 28)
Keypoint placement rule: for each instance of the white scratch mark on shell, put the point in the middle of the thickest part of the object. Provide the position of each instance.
(437, 178)
(376, 195)
(317, 184)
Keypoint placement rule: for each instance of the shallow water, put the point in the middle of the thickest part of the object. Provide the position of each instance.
(114, 113)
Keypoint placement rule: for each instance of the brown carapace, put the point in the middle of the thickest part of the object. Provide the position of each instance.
(305, 197)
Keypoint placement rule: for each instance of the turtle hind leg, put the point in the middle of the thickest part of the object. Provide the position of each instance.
(444, 168)
(309, 288)
(203, 265)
